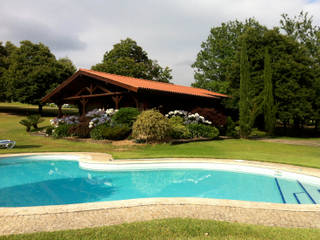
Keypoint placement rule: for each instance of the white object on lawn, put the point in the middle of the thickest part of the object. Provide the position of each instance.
(7, 144)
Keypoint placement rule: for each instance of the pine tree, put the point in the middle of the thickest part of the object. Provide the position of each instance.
(269, 108)
(244, 108)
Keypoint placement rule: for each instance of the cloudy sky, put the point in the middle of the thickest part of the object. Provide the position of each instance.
(170, 31)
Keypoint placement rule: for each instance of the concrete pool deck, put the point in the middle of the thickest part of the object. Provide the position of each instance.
(76, 216)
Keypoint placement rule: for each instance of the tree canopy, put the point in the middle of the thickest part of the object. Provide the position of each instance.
(129, 59)
(31, 71)
(294, 55)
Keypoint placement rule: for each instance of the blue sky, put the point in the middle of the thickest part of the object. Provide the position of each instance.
(171, 31)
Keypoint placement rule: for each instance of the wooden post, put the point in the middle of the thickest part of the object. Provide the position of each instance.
(83, 102)
(117, 100)
(135, 100)
(59, 110)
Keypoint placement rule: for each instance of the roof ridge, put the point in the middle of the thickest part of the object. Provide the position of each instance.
(83, 69)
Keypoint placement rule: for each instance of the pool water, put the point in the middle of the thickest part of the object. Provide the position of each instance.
(25, 181)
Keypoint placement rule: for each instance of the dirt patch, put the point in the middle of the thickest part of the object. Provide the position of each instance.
(125, 143)
(313, 143)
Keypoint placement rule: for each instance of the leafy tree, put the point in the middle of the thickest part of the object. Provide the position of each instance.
(5, 52)
(302, 29)
(3, 68)
(294, 75)
(214, 62)
(269, 108)
(244, 102)
(128, 59)
(64, 69)
(33, 69)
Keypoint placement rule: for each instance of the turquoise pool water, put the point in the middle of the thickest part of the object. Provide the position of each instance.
(32, 181)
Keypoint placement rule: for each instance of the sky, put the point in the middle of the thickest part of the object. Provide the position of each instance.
(170, 31)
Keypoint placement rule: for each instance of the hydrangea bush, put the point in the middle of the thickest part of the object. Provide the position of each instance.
(69, 120)
(100, 116)
(188, 117)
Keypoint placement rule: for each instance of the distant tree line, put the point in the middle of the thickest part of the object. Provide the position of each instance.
(292, 61)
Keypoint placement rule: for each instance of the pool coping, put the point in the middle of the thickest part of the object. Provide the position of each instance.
(289, 215)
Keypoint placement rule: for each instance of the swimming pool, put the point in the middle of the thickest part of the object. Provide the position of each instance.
(61, 179)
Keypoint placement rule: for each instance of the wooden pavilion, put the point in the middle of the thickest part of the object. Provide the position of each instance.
(90, 89)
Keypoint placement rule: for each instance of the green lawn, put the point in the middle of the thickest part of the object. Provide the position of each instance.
(26, 109)
(177, 229)
(233, 148)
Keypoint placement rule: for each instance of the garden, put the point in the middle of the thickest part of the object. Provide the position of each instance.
(128, 123)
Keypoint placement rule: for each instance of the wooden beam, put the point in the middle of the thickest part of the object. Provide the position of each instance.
(104, 89)
(94, 95)
(117, 100)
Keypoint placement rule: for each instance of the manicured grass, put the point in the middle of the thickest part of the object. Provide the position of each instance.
(27, 109)
(230, 149)
(177, 229)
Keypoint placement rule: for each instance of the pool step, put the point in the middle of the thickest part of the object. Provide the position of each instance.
(296, 192)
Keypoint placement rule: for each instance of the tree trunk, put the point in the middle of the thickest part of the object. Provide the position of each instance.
(40, 109)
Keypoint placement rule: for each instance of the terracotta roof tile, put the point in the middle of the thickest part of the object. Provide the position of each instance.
(137, 83)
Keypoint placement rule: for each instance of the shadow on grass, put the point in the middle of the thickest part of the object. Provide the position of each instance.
(27, 146)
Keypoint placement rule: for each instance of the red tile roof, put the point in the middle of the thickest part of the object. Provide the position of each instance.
(137, 83)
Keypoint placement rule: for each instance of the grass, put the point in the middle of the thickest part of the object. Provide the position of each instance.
(27, 109)
(231, 149)
(177, 229)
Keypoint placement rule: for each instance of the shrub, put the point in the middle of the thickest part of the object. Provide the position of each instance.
(35, 119)
(26, 123)
(61, 131)
(231, 128)
(126, 116)
(151, 126)
(178, 130)
(31, 121)
(200, 130)
(117, 132)
(81, 130)
(213, 115)
(97, 132)
(49, 130)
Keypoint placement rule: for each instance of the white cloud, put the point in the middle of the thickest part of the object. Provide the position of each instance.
(170, 31)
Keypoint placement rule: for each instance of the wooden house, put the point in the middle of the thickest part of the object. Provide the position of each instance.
(90, 89)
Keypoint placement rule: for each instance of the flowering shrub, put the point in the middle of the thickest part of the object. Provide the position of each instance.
(100, 116)
(177, 113)
(69, 120)
(188, 117)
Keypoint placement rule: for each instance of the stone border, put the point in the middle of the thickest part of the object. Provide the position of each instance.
(75, 216)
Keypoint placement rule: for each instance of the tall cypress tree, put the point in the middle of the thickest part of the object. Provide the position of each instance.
(244, 108)
(269, 108)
